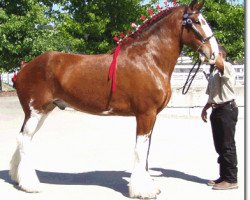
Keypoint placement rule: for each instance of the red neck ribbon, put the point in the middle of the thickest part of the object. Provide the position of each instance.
(112, 68)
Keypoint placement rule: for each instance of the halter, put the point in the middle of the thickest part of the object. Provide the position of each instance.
(188, 23)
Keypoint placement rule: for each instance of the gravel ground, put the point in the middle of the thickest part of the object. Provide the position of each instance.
(80, 156)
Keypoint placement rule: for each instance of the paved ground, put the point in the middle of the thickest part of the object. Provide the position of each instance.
(80, 156)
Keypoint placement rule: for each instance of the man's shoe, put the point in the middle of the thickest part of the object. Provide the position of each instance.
(224, 185)
(213, 182)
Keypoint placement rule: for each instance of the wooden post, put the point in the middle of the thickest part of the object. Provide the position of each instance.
(1, 88)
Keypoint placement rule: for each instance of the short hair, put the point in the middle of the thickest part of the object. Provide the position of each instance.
(223, 51)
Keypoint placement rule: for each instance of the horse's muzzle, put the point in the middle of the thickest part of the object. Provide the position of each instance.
(213, 58)
(208, 58)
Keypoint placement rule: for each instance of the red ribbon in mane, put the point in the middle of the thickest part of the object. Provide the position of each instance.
(112, 68)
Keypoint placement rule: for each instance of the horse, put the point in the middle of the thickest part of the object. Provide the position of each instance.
(144, 66)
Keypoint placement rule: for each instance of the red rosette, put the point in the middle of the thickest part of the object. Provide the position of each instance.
(122, 35)
(151, 12)
(159, 7)
(116, 39)
(143, 18)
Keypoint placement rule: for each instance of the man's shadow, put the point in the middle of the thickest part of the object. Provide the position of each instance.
(169, 173)
(115, 180)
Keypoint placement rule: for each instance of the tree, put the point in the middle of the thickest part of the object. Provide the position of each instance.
(31, 27)
(228, 23)
(97, 21)
(26, 31)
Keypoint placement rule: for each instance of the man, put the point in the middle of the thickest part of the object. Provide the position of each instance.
(224, 116)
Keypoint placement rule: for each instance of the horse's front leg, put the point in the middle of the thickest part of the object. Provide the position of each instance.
(141, 184)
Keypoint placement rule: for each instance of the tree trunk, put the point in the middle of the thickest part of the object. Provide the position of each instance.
(1, 88)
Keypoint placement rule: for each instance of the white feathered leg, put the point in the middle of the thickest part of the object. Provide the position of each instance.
(14, 163)
(26, 174)
(141, 184)
(22, 170)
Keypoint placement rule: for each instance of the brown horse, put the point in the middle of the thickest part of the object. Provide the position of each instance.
(144, 67)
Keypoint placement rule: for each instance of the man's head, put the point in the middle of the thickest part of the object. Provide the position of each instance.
(219, 63)
(223, 52)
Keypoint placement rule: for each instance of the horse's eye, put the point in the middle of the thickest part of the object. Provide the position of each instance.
(197, 22)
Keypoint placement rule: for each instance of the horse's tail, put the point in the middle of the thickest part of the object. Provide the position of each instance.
(14, 78)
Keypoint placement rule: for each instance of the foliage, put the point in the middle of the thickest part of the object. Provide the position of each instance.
(98, 21)
(26, 32)
(227, 23)
(31, 27)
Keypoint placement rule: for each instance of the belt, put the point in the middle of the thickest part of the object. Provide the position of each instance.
(232, 103)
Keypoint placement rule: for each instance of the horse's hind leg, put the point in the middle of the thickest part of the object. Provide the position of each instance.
(21, 167)
(141, 184)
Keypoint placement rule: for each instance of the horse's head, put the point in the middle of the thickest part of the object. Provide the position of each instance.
(197, 34)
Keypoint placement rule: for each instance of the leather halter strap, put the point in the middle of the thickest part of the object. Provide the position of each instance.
(189, 23)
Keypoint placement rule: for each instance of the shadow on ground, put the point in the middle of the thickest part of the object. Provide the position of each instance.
(169, 173)
(115, 180)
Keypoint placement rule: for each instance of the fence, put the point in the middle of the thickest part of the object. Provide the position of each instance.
(181, 72)
(190, 104)
(179, 75)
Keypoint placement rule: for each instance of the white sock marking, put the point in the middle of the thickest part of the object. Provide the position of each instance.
(141, 185)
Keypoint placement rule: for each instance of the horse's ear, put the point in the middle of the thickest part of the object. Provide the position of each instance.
(192, 4)
(195, 6)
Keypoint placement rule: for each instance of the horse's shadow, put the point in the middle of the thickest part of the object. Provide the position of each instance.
(115, 180)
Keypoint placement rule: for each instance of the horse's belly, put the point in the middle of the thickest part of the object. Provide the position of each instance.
(97, 104)
(82, 103)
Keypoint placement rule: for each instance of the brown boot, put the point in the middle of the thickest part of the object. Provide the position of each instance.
(213, 182)
(224, 185)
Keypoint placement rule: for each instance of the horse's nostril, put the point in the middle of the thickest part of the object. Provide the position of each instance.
(213, 56)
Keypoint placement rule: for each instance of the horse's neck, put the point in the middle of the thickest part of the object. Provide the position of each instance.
(168, 46)
(162, 43)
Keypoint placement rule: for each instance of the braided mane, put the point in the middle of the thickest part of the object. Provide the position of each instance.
(124, 39)
(147, 24)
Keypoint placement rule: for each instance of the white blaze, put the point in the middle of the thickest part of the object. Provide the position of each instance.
(208, 32)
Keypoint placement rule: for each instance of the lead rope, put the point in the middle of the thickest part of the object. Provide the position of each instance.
(189, 80)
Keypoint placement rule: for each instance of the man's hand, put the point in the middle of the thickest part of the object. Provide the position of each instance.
(219, 63)
(204, 112)
(204, 115)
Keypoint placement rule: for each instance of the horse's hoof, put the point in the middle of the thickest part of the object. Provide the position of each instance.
(30, 186)
(144, 197)
(35, 189)
(142, 186)
(144, 192)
